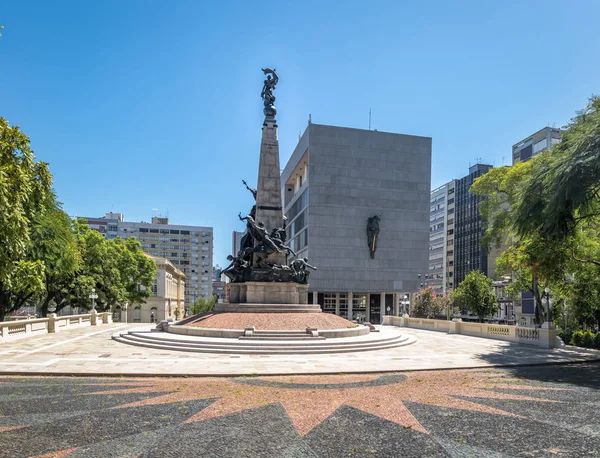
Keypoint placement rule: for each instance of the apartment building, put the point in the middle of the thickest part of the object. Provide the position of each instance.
(535, 144)
(441, 239)
(188, 248)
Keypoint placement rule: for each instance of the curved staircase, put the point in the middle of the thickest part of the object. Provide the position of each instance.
(274, 343)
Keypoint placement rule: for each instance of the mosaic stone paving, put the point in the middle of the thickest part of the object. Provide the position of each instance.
(549, 411)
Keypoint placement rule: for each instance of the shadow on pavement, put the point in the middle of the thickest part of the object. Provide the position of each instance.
(545, 366)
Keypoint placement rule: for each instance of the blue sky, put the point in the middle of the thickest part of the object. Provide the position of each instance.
(143, 104)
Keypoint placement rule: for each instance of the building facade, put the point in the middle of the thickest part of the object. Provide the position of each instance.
(468, 229)
(335, 180)
(166, 300)
(236, 242)
(189, 248)
(535, 144)
(440, 275)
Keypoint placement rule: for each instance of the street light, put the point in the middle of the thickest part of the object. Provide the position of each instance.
(93, 297)
(548, 302)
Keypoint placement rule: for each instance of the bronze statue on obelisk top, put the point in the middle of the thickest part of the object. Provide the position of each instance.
(264, 252)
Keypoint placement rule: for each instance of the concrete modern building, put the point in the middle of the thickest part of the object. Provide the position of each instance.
(535, 144)
(334, 181)
(236, 240)
(107, 226)
(469, 227)
(189, 248)
(441, 239)
(165, 302)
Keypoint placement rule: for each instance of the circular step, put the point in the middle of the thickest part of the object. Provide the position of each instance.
(165, 341)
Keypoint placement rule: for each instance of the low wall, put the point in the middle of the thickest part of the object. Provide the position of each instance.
(10, 330)
(545, 338)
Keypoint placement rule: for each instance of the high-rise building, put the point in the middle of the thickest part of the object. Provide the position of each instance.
(468, 229)
(535, 144)
(236, 242)
(441, 239)
(188, 248)
(336, 179)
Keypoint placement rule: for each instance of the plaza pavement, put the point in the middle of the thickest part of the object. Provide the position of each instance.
(91, 351)
(524, 411)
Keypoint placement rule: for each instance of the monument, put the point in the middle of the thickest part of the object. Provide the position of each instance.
(262, 272)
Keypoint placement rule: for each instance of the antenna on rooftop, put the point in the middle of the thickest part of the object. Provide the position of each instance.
(309, 118)
(369, 119)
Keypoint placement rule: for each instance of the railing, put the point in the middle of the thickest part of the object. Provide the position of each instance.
(10, 330)
(533, 336)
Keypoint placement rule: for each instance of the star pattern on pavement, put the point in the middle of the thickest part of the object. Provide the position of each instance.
(308, 407)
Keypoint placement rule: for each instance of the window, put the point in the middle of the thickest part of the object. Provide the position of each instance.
(185, 232)
(143, 229)
(539, 146)
(451, 211)
(154, 231)
(174, 231)
(451, 201)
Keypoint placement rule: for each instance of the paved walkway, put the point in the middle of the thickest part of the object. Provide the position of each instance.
(85, 351)
(547, 411)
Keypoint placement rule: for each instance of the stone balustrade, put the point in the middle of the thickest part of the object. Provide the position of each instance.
(545, 338)
(10, 330)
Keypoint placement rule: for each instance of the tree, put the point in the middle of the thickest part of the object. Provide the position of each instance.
(25, 195)
(565, 193)
(53, 242)
(423, 303)
(476, 294)
(547, 210)
(533, 261)
(203, 305)
(428, 304)
(117, 269)
(136, 270)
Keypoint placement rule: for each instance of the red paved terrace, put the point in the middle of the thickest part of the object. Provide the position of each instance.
(272, 321)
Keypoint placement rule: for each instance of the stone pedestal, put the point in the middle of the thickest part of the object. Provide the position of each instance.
(268, 297)
(254, 292)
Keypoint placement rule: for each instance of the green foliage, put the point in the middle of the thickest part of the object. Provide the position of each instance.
(429, 305)
(25, 195)
(587, 339)
(203, 305)
(533, 209)
(577, 338)
(565, 192)
(47, 259)
(117, 269)
(476, 294)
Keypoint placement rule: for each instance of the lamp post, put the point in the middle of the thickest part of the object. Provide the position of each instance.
(125, 310)
(93, 297)
(548, 302)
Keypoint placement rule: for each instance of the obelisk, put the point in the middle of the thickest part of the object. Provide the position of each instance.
(268, 196)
